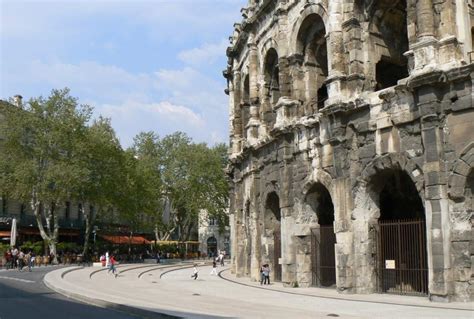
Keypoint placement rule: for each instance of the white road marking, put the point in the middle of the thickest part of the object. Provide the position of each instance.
(17, 279)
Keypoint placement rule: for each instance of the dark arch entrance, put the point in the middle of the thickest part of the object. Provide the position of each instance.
(273, 231)
(212, 246)
(323, 239)
(401, 243)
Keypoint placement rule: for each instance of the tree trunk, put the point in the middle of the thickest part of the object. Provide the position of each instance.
(90, 221)
(50, 237)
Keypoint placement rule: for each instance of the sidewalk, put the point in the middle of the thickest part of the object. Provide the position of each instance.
(168, 291)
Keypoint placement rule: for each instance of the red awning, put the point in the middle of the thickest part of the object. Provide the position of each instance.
(5, 233)
(117, 239)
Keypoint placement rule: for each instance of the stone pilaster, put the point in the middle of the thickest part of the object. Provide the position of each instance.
(335, 40)
(237, 116)
(436, 202)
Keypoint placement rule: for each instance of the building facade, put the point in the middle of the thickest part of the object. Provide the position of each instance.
(212, 238)
(352, 145)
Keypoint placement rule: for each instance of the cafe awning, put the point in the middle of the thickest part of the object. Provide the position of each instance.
(5, 233)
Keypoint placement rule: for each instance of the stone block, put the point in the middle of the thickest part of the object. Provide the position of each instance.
(460, 254)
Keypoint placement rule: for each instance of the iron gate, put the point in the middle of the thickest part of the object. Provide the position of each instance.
(323, 259)
(276, 255)
(402, 262)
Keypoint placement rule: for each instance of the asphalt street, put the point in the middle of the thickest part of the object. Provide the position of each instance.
(24, 295)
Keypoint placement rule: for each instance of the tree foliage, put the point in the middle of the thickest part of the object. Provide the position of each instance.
(52, 153)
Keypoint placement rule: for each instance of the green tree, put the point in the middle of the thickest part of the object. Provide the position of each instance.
(102, 160)
(40, 148)
(194, 179)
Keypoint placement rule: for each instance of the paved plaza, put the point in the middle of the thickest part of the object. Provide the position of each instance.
(168, 291)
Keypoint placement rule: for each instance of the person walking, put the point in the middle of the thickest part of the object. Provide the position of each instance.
(112, 263)
(195, 272)
(21, 257)
(221, 258)
(214, 268)
(262, 277)
(14, 257)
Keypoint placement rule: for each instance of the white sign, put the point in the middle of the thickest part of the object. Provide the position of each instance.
(389, 264)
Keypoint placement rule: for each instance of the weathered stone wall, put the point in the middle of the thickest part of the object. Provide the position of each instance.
(348, 99)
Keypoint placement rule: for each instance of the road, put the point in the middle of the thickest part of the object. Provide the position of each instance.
(24, 295)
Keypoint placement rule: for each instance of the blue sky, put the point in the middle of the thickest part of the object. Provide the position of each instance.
(148, 65)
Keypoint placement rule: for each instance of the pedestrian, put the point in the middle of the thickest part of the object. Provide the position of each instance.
(31, 262)
(195, 272)
(112, 263)
(8, 258)
(262, 277)
(21, 256)
(266, 274)
(221, 258)
(214, 268)
(102, 260)
(14, 257)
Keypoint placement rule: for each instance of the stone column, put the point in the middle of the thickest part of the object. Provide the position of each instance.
(353, 40)
(436, 201)
(288, 252)
(425, 18)
(425, 53)
(335, 47)
(342, 199)
(254, 122)
(450, 52)
(237, 114)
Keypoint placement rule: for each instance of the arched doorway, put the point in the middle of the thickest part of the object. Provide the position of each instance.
(323, 239)
(401, 236)
(273, 233)
(212, 247)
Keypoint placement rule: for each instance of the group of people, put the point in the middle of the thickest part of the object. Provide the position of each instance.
(265, 274)
(219, 259)
(18, 259)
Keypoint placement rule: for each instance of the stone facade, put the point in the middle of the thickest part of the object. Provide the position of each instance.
(346, 113)
(211, 238)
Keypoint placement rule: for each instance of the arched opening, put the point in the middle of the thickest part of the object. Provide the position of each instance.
(272, 76)
(323, 238)
(312, 45)
(245, 104)
(272, 222)
(212, 246)
(401, 235)
(389, 36)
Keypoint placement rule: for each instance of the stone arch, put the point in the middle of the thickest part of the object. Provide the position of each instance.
(461, 170)
(313, 48)
(388, 29)
(318, 176)
(269, 44)
(393, 161)
(245, 103)
(372, 198)
(211, 246)
(317, 9)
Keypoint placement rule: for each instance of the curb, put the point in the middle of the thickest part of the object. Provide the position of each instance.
(106, 304)
(335, 298)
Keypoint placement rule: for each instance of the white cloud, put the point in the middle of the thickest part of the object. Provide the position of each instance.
(205, 55)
